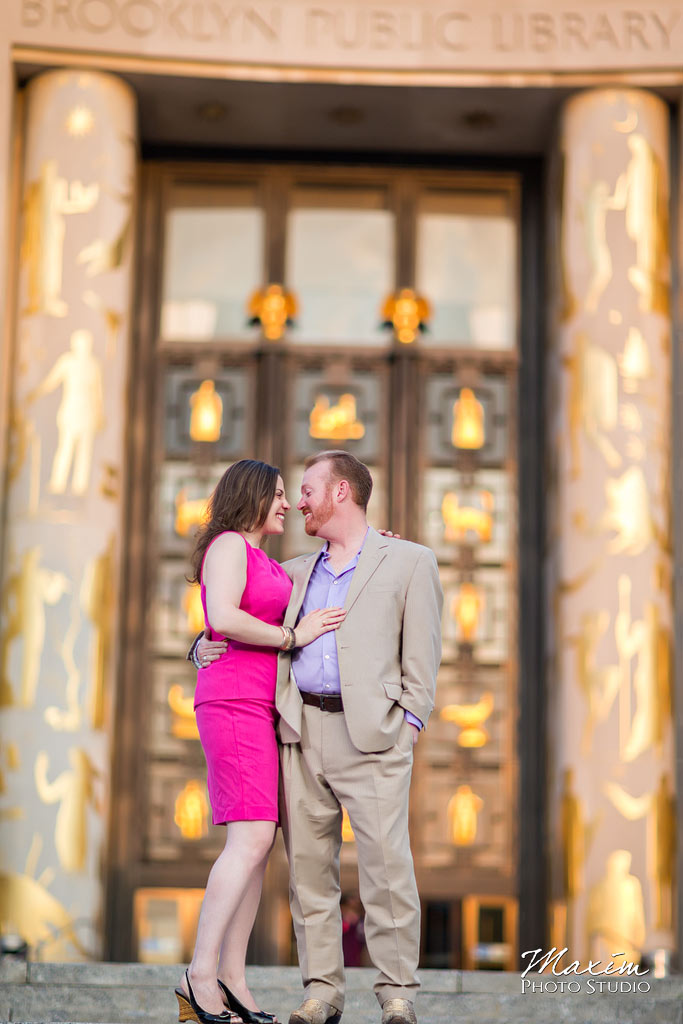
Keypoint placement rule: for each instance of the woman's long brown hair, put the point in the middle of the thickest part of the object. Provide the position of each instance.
(241, 501)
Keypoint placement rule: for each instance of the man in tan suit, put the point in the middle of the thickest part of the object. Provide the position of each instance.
(351, 707)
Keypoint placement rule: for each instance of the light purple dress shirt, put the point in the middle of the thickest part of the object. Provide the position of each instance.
(315, 666)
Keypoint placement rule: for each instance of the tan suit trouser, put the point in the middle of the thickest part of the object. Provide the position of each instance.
(319, 775)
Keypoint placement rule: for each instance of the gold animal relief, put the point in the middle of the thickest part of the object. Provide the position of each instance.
(184, 724)
(461, 520)
(338, 422)
(470, 718)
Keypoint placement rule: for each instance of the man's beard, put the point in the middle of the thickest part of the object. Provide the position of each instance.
(319, 518)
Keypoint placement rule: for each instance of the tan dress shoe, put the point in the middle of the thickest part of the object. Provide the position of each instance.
(398, 1011)
(315, 1011)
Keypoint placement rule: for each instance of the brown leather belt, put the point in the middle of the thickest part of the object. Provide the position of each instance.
(325, 702)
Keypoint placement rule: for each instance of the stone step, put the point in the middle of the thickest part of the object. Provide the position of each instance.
(143, 994)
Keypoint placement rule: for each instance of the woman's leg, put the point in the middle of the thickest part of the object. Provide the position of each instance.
(232, 960)
(247, 845)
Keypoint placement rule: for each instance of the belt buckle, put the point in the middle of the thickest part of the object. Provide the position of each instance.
(322, 701)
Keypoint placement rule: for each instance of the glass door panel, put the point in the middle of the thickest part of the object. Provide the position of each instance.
(466, 266)
(213, 261)
(340, 264)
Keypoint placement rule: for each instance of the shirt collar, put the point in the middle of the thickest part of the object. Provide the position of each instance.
(324, 553)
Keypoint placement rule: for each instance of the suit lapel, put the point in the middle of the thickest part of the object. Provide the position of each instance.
(373, 553)
(300, 578)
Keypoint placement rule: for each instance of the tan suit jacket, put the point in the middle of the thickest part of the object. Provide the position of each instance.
(388, 647)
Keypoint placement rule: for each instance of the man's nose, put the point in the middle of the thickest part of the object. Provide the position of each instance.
(300, 504)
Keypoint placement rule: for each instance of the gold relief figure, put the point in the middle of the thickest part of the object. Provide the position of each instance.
(598, 202)
(641, 639)
(274, 308)
(192, 811)
(184, 724)
(634, 362)
(46, 203)
(460, 519)
(660, 806)
(576, 838)
(35, 913)
(101, 255)
(470, 718)
(192, 603)
(189, 512)
(407, 312)
(74, 791)
(628, 513)
(599, 684)
(469, 426)
(112, 321)
(593, 401)
(337, 422)
(98, 601)
(206, 418)
(80, 414)
(466, 609)
(348, 835)
(69, 719)
(615, 920)
(463, 816)
(646, 217)
(26, 593)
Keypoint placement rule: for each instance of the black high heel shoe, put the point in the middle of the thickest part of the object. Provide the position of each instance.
(189, 1009)
(247, 1016)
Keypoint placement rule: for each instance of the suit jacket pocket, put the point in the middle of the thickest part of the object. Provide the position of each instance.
(394, 691)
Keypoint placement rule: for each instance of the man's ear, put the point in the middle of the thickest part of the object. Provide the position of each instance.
(343, 490)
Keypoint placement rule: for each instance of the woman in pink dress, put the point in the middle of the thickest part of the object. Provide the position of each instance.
(244, 595)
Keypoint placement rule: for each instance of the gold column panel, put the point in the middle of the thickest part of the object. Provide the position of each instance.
(59, 591)
(609, 424)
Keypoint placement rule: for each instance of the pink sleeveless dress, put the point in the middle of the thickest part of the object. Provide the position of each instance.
(235, 704)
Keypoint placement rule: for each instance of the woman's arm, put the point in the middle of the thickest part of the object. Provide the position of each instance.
(225, 577)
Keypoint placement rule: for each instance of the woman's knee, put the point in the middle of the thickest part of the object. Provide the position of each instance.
(252, 841)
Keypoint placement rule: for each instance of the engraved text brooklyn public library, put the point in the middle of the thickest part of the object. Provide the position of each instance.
(596, 974)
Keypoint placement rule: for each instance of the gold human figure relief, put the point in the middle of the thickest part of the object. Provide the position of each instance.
(599, 684)
(348, 835)
(74, 791)
(463, 816)
(463, 519)
(593, 401)
(206, 418)
(101, 255)
(634, 362)
(192, 811)
(47, 202)
(470, 718)
(576, 838)
(80, 415)
(184, 724)
(646, 218)
(640, 729)
(469, 426)
(112, 321)
(274, 308)
(98, 601)
(192, 603)
(69, 719)
(189, 512)
(615, 919)
(598, 202)
(407, 312)
(338, 422)
(466, 609)
(26, 594)
(628, 513)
